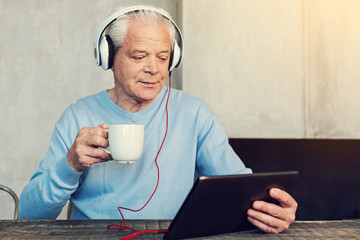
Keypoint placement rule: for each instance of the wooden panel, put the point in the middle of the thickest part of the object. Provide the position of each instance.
(245, 59)
(328, 183)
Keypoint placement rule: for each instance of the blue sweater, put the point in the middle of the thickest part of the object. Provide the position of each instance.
(195, 144)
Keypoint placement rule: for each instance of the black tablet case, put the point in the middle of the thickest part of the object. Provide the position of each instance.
(219, 204)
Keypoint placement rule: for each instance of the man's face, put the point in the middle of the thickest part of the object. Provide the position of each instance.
(141, 64)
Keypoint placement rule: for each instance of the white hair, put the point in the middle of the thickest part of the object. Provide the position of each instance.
(117, 30)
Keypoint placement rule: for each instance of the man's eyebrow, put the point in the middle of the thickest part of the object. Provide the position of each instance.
(137, 51)
(144, 51)
(165, 51)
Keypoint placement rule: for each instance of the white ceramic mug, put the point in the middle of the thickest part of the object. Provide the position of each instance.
(126, 142)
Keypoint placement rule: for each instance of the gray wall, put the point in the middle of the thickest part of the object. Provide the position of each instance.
(46, 63)
(276, 69)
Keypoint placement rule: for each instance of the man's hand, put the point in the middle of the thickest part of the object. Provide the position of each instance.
(85, 150)
(273, 218)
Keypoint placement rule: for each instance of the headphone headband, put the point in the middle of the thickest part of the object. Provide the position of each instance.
(126, 10)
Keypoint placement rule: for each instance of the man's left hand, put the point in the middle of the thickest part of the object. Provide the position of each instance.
(272, 218)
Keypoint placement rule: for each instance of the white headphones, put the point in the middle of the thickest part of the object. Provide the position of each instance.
(103, 47)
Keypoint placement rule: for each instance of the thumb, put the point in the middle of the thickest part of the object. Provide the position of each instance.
(282, 197)
(104, 126)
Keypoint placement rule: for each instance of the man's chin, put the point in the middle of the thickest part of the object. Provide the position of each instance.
(149, 93)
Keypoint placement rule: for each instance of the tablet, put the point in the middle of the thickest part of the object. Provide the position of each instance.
(219, 204)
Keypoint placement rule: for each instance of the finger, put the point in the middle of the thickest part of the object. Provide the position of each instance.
(89, 131)
(87, 153)
(272, 214)
(268, 208)
(284, 198)
(98, 155)
(261, 225)
(96, 137)
(104, 126)
(84, 162)
(93, 141)
(269, 221)
(98, 141)
(101, 130)
(287, 202)
(80, 164)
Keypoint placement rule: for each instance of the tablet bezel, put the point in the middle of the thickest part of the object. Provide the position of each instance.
(218, 204)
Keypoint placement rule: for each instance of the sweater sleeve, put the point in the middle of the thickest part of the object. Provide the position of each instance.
(215, 156)
(51, 185)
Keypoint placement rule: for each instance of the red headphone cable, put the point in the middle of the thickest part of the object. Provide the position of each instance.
(123, 227)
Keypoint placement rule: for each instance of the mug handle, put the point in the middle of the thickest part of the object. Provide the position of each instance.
(107, 151)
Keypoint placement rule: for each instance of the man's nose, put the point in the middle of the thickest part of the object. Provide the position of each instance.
(152, 65)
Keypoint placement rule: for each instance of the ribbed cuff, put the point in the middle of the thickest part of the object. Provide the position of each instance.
(65, 173)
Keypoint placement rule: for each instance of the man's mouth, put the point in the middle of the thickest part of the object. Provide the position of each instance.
(150, 84)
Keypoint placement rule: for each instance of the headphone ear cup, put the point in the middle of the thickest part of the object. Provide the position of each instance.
(106, 52)
(175, 56)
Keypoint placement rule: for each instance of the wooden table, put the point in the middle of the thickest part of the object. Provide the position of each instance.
(97, 229)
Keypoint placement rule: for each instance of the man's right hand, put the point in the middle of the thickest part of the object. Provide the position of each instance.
(85, 150)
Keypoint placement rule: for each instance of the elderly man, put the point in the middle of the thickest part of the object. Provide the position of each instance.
(77, 168)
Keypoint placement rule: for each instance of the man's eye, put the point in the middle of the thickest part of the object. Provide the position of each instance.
(138, 57)
(164, 58)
